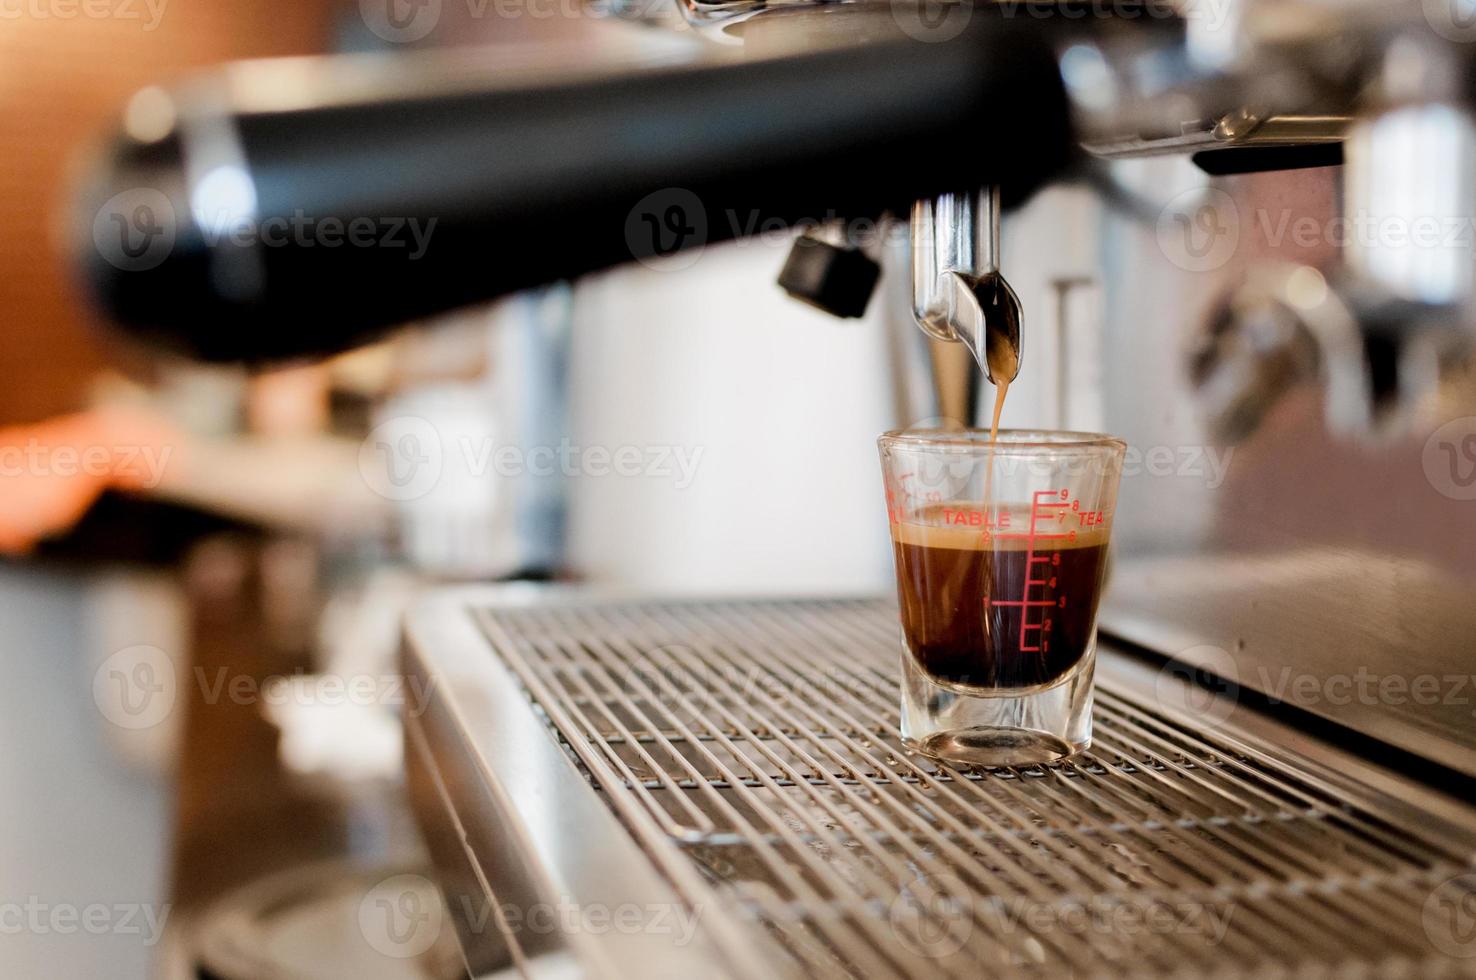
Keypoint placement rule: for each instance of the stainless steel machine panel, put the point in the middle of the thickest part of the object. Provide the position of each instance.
(749, 752)
(1329, 571)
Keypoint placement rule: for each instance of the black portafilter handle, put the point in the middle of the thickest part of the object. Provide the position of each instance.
(255, 229)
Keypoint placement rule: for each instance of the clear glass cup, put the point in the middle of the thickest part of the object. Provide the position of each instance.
(1001, 554)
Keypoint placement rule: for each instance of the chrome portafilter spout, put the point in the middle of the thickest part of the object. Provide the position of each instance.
(958, 293)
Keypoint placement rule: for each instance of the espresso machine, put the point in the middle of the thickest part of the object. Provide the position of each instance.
(1278, 197)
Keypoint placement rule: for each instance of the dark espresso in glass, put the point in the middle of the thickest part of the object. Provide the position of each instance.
(990, 609)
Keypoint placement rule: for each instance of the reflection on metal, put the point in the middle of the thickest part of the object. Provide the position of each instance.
(958, 292)
(1238, 129)
(1409, 202)
(1138, 97)
(1282, 328)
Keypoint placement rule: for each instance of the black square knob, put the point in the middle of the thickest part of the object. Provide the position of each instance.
(838, 280)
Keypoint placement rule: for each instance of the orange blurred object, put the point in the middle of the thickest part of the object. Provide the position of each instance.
(51, 473)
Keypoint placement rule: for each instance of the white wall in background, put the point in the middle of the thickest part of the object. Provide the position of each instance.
(1048, 246)
(779, 405)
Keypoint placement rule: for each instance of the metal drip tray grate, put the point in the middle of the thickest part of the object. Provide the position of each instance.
(757, 741)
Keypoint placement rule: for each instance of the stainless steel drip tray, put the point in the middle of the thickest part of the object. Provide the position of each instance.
(618, 786)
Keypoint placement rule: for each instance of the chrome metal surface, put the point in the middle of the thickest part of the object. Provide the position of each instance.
(1328, 572)
(1385, 80)
(750, 748)
(521, 834)
(1237, 130)
(1284, 326)
(958, 292)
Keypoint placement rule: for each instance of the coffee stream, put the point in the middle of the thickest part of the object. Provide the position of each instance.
(1001, 339)
(1003, 360)
(1001, 389)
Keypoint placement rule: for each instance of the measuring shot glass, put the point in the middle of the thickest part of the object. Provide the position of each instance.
(1001, 552)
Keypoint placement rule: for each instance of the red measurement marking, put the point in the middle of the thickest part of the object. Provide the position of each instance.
(1045, 505)
(1041, 502)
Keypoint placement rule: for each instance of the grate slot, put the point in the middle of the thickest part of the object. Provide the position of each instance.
(760, 738)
